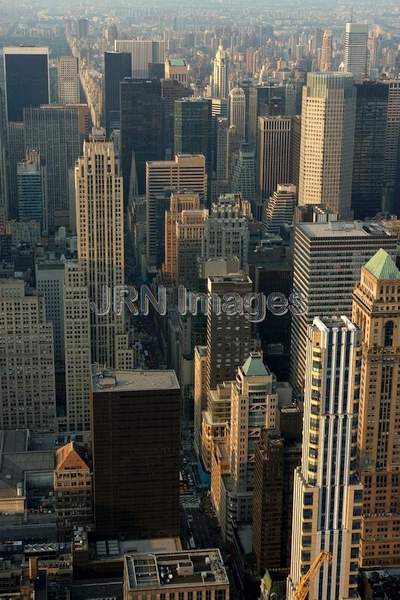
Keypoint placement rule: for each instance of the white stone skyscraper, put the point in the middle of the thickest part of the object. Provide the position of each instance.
(327, 141)
(356, 50)
(327, 495)
(68, 80)
(325, 63)
(237, 111)
(220, 77)
(100, 229)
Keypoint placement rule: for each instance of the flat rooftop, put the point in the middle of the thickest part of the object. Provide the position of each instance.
(181, 569)
(133, 381)
(344, 229)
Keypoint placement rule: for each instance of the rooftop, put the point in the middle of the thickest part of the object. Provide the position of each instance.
(382, 266)
(343, 229)
(17, 458)
(177, 62)
(133, 381)
(166, 570)
(254, 366)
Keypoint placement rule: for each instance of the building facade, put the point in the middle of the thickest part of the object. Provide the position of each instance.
(327, 263)
(136, 442)
(327, 141)
(327, 496)
(376, 311)
(100, 229)
(27, 390)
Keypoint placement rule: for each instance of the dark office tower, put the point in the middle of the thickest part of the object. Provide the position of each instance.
(295, 151)
(135, 441)
(26, 77)
(16, 153)
(31, 189)
(277, 456)
(4, 198)
(193, 128)
(83, 28)
(172, 90)
(274, 137)
(392, 162)
(142, 129)
(228, 351)
(53, 130)
(244, 177)
(369, 149)
(264, 101)
(156, 70)
(117, 66)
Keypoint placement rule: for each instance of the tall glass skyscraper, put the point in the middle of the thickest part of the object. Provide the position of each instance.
(117, 66)
(193, 128)
(142, 129)
(31, 189)
(26, 76)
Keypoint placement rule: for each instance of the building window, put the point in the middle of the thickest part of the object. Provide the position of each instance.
(389, 326)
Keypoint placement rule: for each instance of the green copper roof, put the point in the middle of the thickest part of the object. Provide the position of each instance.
(254, 366)
(177, 62)
(382, 266)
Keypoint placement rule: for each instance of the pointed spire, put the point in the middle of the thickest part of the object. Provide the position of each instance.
(382, 266)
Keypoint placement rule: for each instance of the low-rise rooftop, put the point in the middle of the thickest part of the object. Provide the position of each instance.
(181, 569)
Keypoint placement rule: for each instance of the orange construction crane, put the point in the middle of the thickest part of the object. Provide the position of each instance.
(303, 586)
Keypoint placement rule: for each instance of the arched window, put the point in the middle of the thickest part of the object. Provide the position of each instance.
(389, 326)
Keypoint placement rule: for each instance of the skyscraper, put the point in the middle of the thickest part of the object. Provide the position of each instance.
(172, 90)
(193, 128)
(244, 176)
(55, 132)
(187, 172)
(356, 50)
(369, 149)
(135, 443)
(327, 496)
(142, 136)
(100, 232)
(179, 202)
(68, 80)
(326, 266)
(226, 232)
(49, 277)
(264, 101)
(143, 52)
(77, 350)
(27, 391)
(32, 189)
(392, 160)
(220, 77)
(274, 138)
(4, 182)
(189, 246)
(226, 353)
(16, 153)
(221, 150)
(325, 63)
(279, 208)
(277, 456)
(327, 141)
(376, 311)
(237, 111)
(26, 77)
(117, 66)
